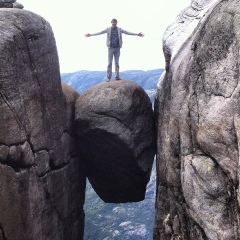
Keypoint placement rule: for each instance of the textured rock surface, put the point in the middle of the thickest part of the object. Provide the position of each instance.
(41, 180)
(198, 132)
(114, 124)
(178, 33)
(18, 5)
(10, 4)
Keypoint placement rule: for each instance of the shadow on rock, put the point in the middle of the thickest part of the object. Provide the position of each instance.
(115, 130)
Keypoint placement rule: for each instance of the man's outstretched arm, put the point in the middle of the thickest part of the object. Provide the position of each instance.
(95, 34)
(130, 33)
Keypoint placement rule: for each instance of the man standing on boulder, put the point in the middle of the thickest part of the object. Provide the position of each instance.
(114, 43)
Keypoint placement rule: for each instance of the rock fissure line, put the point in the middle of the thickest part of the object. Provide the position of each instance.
(59, 138)
(69, 215)
(13, 111)
(212, 196)
(45, 174)
(227, 175)
(190, 129)
(179, 209)
(232, 208)
(18, 46)
(233, 92)
(56, 210)
(41, 149)
(54, 169)
(100, 114)
(30, 143)
(203, 235)
(29, 55)
(198, 109)
(15, 167)
(2, 232)
(21, 143)
(237, 136)
(43, 23)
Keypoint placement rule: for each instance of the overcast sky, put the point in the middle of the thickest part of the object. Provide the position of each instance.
(70, 20)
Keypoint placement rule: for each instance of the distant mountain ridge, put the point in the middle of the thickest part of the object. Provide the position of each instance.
(84, 79)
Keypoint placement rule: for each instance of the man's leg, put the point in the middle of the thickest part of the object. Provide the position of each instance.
(116, 58)
(110, 58)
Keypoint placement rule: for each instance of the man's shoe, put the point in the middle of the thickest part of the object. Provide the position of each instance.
(117, 78)
(107, 80)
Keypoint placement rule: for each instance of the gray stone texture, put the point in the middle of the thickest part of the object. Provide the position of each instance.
(198, 120)
(7, 1)
(6, 5)
(17, 5)
(116, 138)
(42, 182)
(10, 4)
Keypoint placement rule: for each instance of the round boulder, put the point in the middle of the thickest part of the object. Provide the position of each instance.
(116, 139)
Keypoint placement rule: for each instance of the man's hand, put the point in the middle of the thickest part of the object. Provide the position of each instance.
(140, 34)
(87, 35)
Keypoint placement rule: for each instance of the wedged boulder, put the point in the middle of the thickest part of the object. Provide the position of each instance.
(197, 108)
(42, 183)
(115, 130)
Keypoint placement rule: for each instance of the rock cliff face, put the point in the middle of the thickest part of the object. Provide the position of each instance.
(42, 182)
(116, 139)
(198, 131)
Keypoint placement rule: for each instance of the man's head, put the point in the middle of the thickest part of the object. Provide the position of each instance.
(114, 22)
